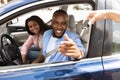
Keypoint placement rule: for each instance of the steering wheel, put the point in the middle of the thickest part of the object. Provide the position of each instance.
(10, 52)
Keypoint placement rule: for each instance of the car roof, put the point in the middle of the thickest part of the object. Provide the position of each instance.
(13, 5)
(18, 3)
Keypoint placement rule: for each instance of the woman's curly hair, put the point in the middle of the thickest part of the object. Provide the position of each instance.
(43, 26)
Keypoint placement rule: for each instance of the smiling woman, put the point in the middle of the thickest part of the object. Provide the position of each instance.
(32, 46)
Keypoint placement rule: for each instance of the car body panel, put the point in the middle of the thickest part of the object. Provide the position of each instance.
(71, 70)
(111, 67)
(82, 70)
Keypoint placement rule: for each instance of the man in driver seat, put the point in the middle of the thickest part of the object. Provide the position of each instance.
(68, 44)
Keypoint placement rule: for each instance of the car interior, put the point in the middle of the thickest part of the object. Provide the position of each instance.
(15, 28)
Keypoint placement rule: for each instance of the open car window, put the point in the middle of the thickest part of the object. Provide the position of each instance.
(45, 14)
(76, 13)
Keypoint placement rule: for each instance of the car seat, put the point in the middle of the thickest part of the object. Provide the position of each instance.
(77, 28)
(85, 38)
(71, 24)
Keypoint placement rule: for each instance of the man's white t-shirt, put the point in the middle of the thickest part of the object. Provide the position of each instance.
(51, 46)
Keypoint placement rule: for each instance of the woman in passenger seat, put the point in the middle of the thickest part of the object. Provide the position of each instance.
(31, 48)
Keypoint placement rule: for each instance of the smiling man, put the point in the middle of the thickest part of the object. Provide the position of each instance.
(67, 43)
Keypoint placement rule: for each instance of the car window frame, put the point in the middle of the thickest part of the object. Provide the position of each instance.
(50, 4)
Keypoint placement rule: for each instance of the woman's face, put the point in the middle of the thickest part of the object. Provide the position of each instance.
(34, 27)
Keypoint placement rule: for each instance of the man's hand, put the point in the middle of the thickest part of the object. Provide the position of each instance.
(69, 48)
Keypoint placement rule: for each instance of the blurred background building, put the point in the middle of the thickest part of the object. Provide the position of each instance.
(3, 2)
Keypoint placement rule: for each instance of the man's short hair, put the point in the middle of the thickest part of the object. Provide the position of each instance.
(60, 12)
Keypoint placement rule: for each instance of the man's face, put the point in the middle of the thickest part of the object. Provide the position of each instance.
(59, 25)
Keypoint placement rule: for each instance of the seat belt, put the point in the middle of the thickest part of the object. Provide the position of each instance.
(51, 52)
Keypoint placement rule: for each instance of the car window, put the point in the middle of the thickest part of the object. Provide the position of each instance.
(116, 29)
(45, 14)
(78, 11)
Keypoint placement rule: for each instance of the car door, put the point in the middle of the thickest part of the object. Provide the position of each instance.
(111, 52)
(90, 68)
(18, 33)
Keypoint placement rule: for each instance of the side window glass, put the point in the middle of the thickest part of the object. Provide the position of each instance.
(79, 10)
(46, 17)
(116, 29)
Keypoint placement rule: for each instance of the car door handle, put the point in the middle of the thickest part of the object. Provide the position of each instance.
(20, 29)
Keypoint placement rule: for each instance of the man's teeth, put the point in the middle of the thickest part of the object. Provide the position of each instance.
(58, 31)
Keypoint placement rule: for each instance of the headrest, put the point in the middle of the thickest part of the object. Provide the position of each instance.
(79, 28)
(71, 24)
